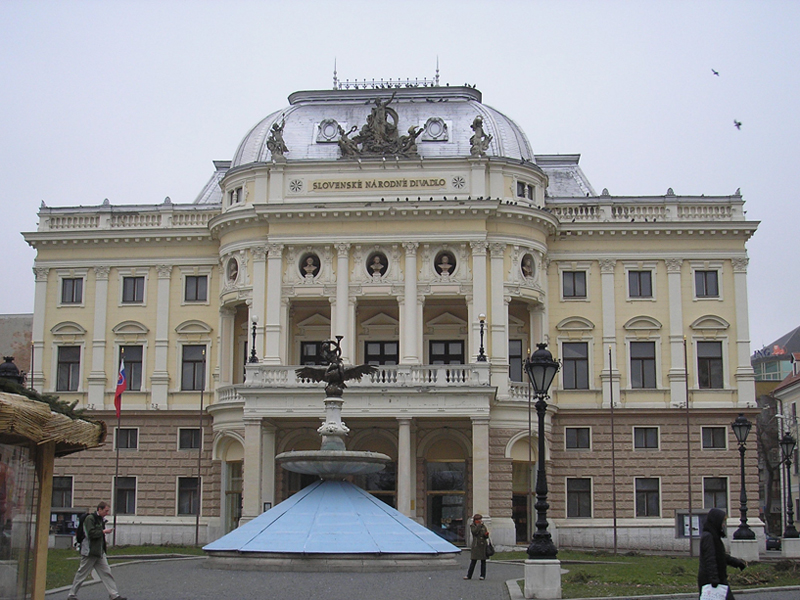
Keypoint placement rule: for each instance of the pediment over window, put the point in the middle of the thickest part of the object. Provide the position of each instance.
(130, 327)
(710, 322)
(381, 324)
(575, 324)
(446, 318)
(68, 328)
(192, 326)
(642, 322)
(317, 325)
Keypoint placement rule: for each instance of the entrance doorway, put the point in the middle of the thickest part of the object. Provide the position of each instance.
(445, 499)
(233, 495)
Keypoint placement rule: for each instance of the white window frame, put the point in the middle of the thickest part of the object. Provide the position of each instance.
(54, 366)
(584, 266)
(656, 339)
(178, 495)
(135, 494)
(567, 448)
(709, 265)
(179, 378)
(71, 274)
(566, 497)
(134, 272)
(118, 344)
(71, 489)
(726, 371)
(660, 497)
(650, 265)
(633, 438)
(589, 341)
(725, 429)
(178, 441)
(195, 272)
(114, 447)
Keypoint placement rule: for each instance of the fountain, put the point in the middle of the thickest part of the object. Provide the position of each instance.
(332, 524)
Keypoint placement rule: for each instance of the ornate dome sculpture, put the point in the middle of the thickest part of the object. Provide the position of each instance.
(427, 122)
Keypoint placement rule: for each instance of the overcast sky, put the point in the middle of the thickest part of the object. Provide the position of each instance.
(132, 100)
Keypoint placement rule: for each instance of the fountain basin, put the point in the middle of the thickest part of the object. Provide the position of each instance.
(332, 464)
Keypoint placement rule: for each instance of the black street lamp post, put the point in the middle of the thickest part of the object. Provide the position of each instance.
(253, 357)
(741, 428)
(541, 369)
(787, 449)
(481, 353)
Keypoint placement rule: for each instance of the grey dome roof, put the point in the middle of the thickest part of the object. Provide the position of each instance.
(451, 109)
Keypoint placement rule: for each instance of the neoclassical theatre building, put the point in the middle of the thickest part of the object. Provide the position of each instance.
(416, 222)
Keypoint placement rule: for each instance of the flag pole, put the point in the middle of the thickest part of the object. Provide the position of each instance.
(613, 450)
(200, 453)
(688, 443)
(121, 385)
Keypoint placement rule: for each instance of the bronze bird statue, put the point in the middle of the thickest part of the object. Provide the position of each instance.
(336, 373)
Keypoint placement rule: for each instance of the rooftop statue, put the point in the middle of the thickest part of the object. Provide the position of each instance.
(379, 135)
(480, 140)
(336, 373)
(275, 141)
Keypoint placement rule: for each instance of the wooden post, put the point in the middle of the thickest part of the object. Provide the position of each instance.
(45, 458)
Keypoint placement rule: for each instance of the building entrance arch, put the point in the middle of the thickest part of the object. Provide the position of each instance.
(445, 489)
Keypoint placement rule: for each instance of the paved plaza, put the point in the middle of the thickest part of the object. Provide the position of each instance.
(189, 579)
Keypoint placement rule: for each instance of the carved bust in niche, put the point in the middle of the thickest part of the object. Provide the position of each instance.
(309, 266)
(527, 266)
(233, 270)
(377, 264)
(445, 263)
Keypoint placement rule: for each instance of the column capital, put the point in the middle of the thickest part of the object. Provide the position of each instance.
(259, 253)
(164, 271)
(740, 264)
(480, 419)
(342, 249)
(673, 265)
(497, 249)
(275, 250)
(40, 273)
(607, 265)
(101, 272)
(411, 248)
(479, 248)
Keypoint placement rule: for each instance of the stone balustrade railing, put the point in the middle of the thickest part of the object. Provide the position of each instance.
(165, 216)
(598, 209)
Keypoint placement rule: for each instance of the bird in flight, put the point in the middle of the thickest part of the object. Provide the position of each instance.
(737, 124)
(715, 72)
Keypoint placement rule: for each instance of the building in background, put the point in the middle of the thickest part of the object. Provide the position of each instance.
(416, 222)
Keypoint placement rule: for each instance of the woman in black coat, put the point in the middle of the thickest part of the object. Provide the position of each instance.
(713, 559)
(480, 541)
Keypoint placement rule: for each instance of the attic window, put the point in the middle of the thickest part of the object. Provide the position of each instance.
(235, 196)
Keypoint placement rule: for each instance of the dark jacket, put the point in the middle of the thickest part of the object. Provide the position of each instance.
(480, 538)
(714, 561)
(93, 525)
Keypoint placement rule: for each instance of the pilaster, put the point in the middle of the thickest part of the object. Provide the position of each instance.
(159, 381)
(612, 374)
(744, 374)
(409, 326)
(272, 327)
(97, 375)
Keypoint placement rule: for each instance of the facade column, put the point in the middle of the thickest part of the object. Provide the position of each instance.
(409, 328)
(497, 348)
(404, 465)
(480, 465)
(343, 300)
(97, 375)
(251, 490)
(259, 296)
(744, 374)
(479, 289)
(227, 341)
(268, 467)
(159, 381)
(37, 331)
(272, 326)
(677, 373)
(607, 268)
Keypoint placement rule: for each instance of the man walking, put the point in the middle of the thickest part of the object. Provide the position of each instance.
(93, 554)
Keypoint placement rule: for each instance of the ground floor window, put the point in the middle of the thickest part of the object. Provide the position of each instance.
(188, 495)
(382, 485)
(648, 501)
(125, 500)
(445, 499)
(715, 492)
(579, 498)
(233, 495)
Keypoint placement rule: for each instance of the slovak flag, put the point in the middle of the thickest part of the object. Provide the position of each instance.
(122, 385)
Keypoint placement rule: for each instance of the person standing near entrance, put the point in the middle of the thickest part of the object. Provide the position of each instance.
(480, 540)
(93, 554)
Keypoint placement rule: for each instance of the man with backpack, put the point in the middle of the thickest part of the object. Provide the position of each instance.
(92, 538)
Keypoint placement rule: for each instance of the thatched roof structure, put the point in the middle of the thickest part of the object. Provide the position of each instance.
(24, 420)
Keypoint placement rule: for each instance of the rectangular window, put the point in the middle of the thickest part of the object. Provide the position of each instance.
(235, 195)
(126, 496)
(127, 439)
(188, 495)
(709, 365)
(648, 503)
(72, 290)
(715, 438)
(448, 352)
(577, 438)
(645, 438)
(574, 284)
(575, 357)
(706, 284)
(643, 365)
(62, 492)
(520, 189)
(715, 492)
(133, 366)
(515, 360)
(193, 372)
(310, 353)
(189, 438)
(381, 353)
(196, 288)
(133, 290)
(579, 498)
(69, 368)
(640, 284)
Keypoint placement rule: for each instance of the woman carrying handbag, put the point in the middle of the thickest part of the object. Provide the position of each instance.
(480, 544)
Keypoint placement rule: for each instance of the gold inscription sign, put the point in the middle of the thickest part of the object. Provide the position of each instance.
(427, 183)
